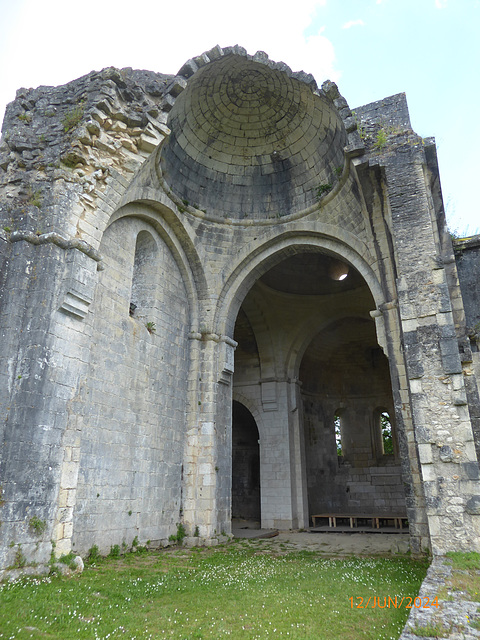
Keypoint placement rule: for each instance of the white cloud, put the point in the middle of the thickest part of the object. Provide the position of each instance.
(73, 43)
(441, 4)
(316, 55)
(353, 23)
(65, 43)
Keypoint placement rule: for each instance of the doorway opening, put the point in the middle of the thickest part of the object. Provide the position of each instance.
(309, 363)
(245, 465)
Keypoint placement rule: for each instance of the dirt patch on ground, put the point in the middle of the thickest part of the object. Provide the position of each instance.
(333, 543)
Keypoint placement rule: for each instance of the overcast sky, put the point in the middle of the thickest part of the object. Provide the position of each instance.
(429, 49)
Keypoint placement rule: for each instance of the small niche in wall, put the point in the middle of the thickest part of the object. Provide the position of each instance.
(142, 298)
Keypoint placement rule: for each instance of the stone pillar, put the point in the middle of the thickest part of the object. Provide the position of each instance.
(300, 515)
(282, 457)
(436, 392)
(208, 453)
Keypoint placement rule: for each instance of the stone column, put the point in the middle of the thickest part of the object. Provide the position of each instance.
(282, 457)
(208, 452)
(300, 519)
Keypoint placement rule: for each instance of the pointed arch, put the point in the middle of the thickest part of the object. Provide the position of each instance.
(253, 265)
(175, 236)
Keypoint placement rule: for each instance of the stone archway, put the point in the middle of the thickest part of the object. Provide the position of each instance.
(296, 299)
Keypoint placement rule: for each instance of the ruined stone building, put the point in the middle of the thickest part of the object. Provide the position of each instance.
(216, 288)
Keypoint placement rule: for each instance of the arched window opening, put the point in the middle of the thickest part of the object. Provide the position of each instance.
(337, 423)
(387, 433)
(142, 298)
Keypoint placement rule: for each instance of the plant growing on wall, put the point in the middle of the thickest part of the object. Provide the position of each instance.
(151, 327)
(20, 559)
(323, 189)
(180, 535)
(72, 118)
(37, 525)
(381, 140)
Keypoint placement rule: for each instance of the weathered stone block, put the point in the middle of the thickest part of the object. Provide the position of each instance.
(473, 506)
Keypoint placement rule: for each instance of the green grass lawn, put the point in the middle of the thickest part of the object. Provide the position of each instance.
(239, 590)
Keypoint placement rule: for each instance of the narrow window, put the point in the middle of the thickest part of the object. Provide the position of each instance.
(338, 433)
(387, 433)
(142, 299)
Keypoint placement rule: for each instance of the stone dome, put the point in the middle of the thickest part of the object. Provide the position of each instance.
(251, 141)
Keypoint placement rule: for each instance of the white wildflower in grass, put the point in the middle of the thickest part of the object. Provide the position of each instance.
(257, 590)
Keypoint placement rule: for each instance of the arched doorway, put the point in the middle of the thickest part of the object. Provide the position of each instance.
(307, 353)
(245, 465)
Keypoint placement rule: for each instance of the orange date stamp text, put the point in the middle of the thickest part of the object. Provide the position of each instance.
(387, 602)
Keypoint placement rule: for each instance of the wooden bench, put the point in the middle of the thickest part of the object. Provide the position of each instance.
(398, 520)
(376, 519)
(332, 519)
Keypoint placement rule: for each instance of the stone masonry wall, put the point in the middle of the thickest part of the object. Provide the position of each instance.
(61, 146)
(132, 401)
(348, 484)
(467, 261)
